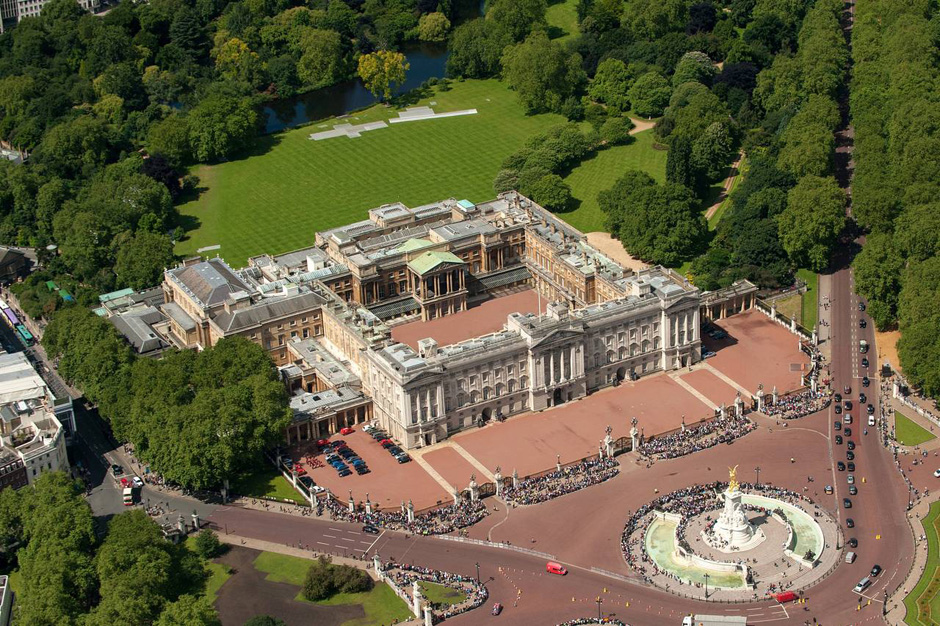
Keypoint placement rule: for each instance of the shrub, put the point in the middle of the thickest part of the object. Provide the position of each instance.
(208, 544)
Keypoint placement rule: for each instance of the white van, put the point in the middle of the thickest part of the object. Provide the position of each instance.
(847, 418)
(862, 585)
(871, 420)
(850, 557)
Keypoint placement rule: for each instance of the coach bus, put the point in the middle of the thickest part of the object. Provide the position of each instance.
(24, 334)
(11, 318)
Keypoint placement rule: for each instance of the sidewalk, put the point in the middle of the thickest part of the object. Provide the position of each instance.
(896, 608)
(292, 550)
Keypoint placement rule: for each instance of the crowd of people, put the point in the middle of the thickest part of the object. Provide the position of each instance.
(799, 405)
(689, 440)
(613, 621)
(688, 503)
(403, 576)
(437, 522)
(561, 482)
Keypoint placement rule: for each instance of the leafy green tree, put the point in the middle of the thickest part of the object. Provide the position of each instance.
(652, 19)
(878, 269)
(141, 259)
(321, 62)
(190, 610)
(236, 61)
(433, 27)
(550, 191)
(318, 582)
(80, 145)
(542, 73)
(650, 94)
(811, 224)
(694, 67)
(616, 130)
(712, 151)
(917, 231)
(380, 69)
(679, 167)
(208, 545)
(170, 138)
(807, 150)
(657, 223)
(219, 126)
(517, 17)
(611, 85)
(476, 48)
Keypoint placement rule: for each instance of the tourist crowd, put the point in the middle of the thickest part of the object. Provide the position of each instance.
(593, 620)
(559, 483)
(403, 576)
(689, 440)
(437, 522)
(799, 404)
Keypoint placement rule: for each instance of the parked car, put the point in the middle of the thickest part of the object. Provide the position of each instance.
(849, 455)
(862, 323)
(849, 522)
(837, 397)
(306, 481)
(850, 445)
(116, 469)
(125, 482)
(344, 472)
(871, 409)
(852, 543)
(323, 442)
(847, 431)
(875, 571)
(862, 398)
(346, 431)
(378, 435)
(497, 609)
(865, 381)
(828, 490)
(847, 390)
(846, 503)
(863, 583)
(851, 479)
(403, 458)
(850, 466)
(137, 482)
(936, 473)
(362, 470)
(853, 490)
(395, 450)
(865, 362)
(837, 425)
(387, 443)
(838, 409)
(838, 440)
(840, 466)
(848, 405)
(369, 528)
(861, 305)
(871, 420)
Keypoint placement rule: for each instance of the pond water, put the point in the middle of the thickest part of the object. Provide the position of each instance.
(661, 547)
(427, 60)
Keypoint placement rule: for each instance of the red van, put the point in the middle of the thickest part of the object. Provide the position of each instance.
(555, 568)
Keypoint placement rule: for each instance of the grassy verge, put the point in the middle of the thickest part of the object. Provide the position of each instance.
(218, 573)
(267, 483)
(439, 594)
(922, 602)
(562, 18)
(792, 307)
(381, 605)
(909, 433)
(809, 305)
(601, 171)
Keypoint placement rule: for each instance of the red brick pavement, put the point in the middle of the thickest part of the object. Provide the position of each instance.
(455, 469)
(757, 351)
(482, 319)
(711, 386)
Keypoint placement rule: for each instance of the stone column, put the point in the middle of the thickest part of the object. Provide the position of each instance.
(427, 616)
(416, 599)
(195, 517)
(723, 411)
(456, 495)
(368, 505)
(377, 564)
(352, 503)
(499, 482)
(775, 395)
(411, 511)
(515, 479)
(474, 489)
(551, 367)
(557, 462)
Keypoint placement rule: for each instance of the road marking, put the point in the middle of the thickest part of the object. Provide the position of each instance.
(354, 532)
(358, 550)
(322, 544)
(366, 542)
(346, 539)
(330, 536)
(339, 530)
(376, 541)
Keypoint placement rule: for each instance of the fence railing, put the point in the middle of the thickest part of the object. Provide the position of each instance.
(501, 546)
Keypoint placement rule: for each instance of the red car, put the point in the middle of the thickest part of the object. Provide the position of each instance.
(386, 443)
(347, 431)
(497, 608)
(125, 482)
(323, 442)
(299, 470)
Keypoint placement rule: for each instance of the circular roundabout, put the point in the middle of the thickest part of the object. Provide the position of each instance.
(729, 541)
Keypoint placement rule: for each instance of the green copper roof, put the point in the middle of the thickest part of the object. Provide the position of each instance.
(429, 260)
(414, 244)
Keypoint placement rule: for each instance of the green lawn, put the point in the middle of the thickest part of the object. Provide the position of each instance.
(810, 305)
(381, 605)
(267, 483)
(277, 199)
(923, 602)
(602, 171)
(218, 573)
(439, 594)
(909, 433)
(562, 17)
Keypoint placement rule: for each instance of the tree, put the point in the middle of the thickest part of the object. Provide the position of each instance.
(694, 66)
(657, 223)
(616, 130)
(679, 167)
(141, 259)
(221, 125)
(811, 223)
(264, 620)
(433, 27)
(878, 269)
(611, 85)
(807, 149)
(283, 73)
(207, 544)
(159, 168)
(318, 582)
(192, 611)
(380, 69)
(517, 17)
(550, 191)
(476, 48)
(321, 61)
(650, 94)
(712, 151)
(80, 145)
(170, 138)
(702, 18)
(542, 73)
(236, 61)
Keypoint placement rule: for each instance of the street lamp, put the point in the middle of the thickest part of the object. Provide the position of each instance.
(757, 469)
(478, 572)
(706, 585)
(599, 601)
